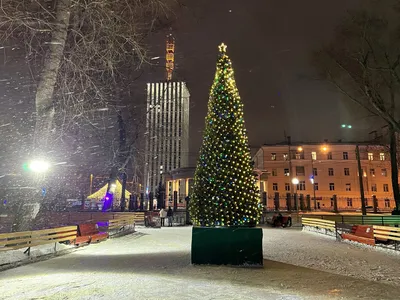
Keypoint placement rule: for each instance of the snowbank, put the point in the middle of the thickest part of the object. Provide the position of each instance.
(16, 257)
(323, 231)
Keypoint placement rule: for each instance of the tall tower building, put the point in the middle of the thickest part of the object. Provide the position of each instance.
(167, 123)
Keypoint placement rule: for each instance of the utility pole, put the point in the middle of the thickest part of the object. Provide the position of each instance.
(313, 181)
(360, 178)
(124, 156)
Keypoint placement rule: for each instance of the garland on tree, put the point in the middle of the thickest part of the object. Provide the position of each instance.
(225, 191)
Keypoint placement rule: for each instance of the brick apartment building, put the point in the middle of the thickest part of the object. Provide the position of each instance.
(328, 171)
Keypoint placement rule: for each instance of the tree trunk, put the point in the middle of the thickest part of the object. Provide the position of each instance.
(394, 167)
(47, 83)
(45, 109)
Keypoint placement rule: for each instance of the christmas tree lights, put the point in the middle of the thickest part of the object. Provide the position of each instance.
(224, 191)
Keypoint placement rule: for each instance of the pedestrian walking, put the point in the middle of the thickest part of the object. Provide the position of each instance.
(170, 215)
(163, 215)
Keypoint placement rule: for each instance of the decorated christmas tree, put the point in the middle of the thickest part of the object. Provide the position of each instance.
(224, 191)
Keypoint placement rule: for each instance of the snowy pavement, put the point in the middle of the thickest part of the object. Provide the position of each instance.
(155, 264)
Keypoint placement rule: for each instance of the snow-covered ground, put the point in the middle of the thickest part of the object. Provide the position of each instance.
(155, 264)
(15, 257)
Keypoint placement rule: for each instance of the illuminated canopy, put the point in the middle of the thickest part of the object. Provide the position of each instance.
(99, 195)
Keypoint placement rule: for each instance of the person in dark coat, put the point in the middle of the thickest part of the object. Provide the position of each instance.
(170, 215)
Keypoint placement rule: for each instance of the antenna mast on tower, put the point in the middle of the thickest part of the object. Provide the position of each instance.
(170, 57)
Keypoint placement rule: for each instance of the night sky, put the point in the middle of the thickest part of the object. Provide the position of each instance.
(270, 44)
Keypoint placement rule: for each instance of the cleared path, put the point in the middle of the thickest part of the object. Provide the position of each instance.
(155, 264)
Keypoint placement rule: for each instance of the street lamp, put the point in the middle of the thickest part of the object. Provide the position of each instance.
(39, 166)
(295, 181)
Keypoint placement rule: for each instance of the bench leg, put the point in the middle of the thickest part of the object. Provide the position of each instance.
(28, 251)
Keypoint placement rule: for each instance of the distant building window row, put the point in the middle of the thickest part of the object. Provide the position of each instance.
(329, 156)
(302, 186)
(300, 171)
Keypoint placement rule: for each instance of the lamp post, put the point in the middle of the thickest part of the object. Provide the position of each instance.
(295, 182)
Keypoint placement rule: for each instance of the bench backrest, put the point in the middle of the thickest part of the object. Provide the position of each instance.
(18, 240)
(387, 233)
(319, 223)
(120, 222)
(365, 231)
(87, 229)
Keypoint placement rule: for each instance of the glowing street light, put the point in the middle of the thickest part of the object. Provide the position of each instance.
(39, 166)
(295, 181)
(300, 149)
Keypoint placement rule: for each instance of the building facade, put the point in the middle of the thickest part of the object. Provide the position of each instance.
(178, 185)
(167, 134)
(326, 173)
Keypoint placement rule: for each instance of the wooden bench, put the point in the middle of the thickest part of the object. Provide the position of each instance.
(139, 217)
(362, 234)
(121, 224)
(319, 223)
(89, 233)
(28, 239)
(386, 233)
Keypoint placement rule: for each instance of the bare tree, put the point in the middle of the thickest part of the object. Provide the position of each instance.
(77, 49)
(363, 63)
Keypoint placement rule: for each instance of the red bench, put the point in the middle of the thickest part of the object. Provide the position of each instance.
(88, 233)
(362, 234)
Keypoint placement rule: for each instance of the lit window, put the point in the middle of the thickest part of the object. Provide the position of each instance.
(348, 187)
(374, 188)
(331, 186)
(314, 155)
(330, 171)
(287, 186)
(382, 156)
(345, 155)
(286, 172)
(273, 156)
(385, 187)
(384, 172)
(346, 171)
(372, 172)
(370, 156)
(285, 156)
(274, 172)
(274, 186)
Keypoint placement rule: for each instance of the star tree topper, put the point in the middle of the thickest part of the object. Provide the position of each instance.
(222, 48)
